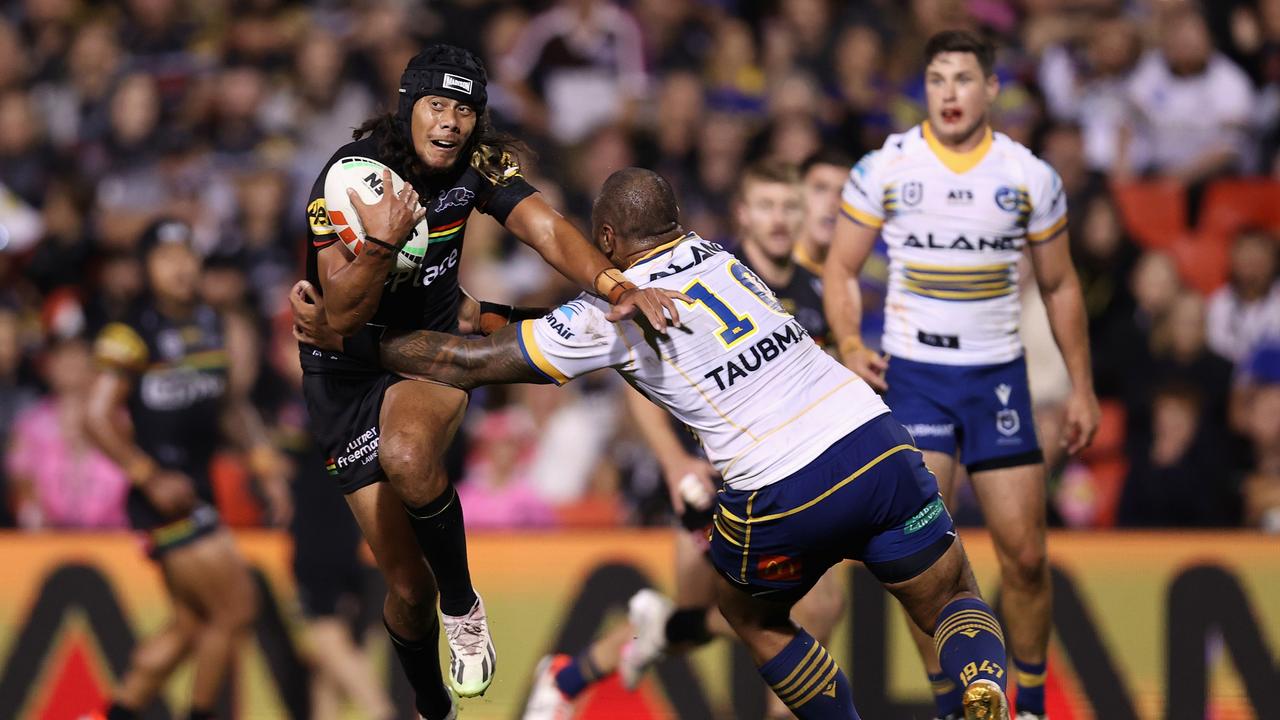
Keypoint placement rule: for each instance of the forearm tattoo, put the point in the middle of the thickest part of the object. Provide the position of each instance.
(460, 362)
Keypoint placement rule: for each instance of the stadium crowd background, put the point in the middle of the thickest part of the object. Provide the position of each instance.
(222, 112)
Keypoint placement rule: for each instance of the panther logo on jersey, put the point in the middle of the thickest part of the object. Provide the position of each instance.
(454, 197)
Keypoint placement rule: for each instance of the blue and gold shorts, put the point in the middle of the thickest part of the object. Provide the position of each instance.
(982, 411)
(868, 497)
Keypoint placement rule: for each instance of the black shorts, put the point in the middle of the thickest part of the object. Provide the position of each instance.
(164, 533)
(344, 409)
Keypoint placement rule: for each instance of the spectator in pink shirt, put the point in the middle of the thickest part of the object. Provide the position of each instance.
(58, 480)
(497, 490)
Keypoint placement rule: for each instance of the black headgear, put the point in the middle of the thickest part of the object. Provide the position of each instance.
(445, 70)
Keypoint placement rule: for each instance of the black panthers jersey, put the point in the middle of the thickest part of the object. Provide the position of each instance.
(179, 372)
(427, 297)
(802, 298)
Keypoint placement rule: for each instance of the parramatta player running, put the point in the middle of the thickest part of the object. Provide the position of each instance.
(815, 470)
(385, 438)
(770, 215)
(174, 382)
(957, 205)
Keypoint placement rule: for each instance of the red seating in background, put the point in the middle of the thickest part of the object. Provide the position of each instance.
(1231, 205)
(1154, 213)
(1203, 260)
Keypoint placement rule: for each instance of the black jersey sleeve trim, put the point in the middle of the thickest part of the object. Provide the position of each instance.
(504, 198)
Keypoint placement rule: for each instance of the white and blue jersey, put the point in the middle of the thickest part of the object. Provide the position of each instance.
(742, 374)
(815, 470)
(956, 225)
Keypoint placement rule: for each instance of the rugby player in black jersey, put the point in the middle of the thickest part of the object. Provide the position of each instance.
(174, 382)
(373, 425)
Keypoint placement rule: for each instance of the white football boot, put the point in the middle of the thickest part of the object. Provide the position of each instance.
(648, 612)
(472, 658)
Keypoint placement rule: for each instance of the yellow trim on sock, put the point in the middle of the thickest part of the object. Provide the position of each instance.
(820, 668)
(1029, 680)
(830, 677)
(803, 662)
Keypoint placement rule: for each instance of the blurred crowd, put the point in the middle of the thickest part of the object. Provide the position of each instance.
(222, 112)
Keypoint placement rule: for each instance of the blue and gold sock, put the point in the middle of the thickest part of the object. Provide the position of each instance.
(946, 694)
(809, 681)
(578, 674)
(1030, 686)
(970, 643)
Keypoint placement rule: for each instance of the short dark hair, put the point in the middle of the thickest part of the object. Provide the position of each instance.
(637, 203)
(961, 41)
(826, 155)
(768, 171)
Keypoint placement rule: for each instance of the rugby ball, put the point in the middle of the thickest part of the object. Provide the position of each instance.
(364, 175)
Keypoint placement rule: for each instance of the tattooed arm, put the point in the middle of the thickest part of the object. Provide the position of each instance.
(460, 362)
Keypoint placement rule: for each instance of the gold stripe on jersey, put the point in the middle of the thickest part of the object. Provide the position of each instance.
(860, 217)
(961, 295)
(890, 200)
(530, 344)
(660, 249)
(1048, 233)
(980, 282)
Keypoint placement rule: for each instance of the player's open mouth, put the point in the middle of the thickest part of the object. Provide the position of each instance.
(444, 144)
(951, 114)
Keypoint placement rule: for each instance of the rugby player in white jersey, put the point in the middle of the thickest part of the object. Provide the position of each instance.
(772, 213)
(815, 470)
(957, 205)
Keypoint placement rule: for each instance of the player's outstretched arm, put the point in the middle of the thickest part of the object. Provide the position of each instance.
(460, 362)
(480, 317)
(540, 227)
